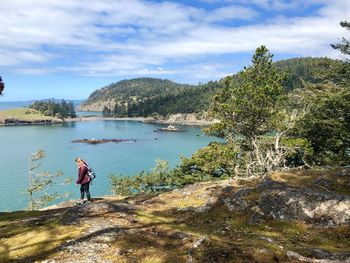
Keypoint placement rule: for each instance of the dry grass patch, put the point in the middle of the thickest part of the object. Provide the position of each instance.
(24, 114)
(21, 241)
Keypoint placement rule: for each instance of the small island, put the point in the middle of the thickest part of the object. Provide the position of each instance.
(98, 141)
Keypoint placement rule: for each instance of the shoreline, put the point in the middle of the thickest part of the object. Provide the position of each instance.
(99, 118)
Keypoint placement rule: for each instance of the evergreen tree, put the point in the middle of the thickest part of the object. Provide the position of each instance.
(71, 110)
(2, 86)
(51, 108)
(344, 45)
(106, 112)
(40, 182)
(247, 104)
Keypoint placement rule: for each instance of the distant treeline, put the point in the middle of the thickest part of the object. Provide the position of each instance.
(193, 99)
(151, 96)
(61, 109)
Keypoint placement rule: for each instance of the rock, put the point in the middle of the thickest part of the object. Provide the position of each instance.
(294, 255)
(194, 247)
(103, 239)
(270, 240)
(277, 200)
(179, 235)
(332, 259)
(345, 171)
(99, 141)
(237, 201)
(324, 182)
(308, 205)
(322, 254)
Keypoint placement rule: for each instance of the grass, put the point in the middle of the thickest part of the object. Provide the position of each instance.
(232, 235)
(311, 179)
(25, 115)
(25, 235)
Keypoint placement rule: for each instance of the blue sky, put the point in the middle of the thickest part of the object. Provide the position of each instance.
(69, 48)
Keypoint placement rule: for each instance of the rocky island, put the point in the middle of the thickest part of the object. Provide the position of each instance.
(98, 141)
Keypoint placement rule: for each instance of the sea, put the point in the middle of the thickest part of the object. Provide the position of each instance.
(19, 143)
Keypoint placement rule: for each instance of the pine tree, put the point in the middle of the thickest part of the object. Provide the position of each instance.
(2, 86)
(344, 45)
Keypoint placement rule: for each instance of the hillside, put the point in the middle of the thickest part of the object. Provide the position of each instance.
(151, 96)
(146, 93)
(300, 216)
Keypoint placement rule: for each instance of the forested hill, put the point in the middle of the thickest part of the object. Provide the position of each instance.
(139, 88)
(150, 96)
(147, 96)
(301, 69)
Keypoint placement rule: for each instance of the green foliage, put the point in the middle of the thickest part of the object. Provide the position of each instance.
(323, 112)
(147, 97)
(51, 108)
(40, 182)
(2, 86)
(344, 45)
(157, 180)
(301, 70)
(326, 124)
(155, 97)
(106, 112)
(246, 104)
(136, 89)
(214, 161)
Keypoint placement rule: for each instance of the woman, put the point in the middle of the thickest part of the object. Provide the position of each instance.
(83, 179)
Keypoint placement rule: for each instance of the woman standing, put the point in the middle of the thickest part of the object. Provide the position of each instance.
(83, 179)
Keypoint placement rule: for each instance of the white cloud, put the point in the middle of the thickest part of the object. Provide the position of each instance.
(140, 37)
(270, 4)
(231, 12)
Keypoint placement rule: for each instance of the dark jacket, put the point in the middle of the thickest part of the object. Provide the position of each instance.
(83, 177)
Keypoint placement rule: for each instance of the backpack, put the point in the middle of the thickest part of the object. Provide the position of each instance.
(90, 173)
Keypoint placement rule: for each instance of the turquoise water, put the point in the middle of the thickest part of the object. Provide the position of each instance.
(127, 158)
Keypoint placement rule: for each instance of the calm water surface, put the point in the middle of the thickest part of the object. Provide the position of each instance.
(127, 158)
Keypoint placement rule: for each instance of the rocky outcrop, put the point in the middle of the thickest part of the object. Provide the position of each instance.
(277, 200)
(301, 216)
(97, 106)
(186, 118)
(10, 122)
(99, 141)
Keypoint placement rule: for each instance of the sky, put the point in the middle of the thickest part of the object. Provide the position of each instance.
(69, 48)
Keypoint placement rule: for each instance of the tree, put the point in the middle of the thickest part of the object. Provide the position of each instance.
(248, 108)
(40, 181)
(344, 45)
(325, 110)
(213, 161)
(246, 104)
(71, 110)
(2, 86)
(106, 112)
(325, 123)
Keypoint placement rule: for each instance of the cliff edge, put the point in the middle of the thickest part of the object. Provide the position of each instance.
(299, 216)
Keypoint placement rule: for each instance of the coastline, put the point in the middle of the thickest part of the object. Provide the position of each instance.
(189, 119)
(145, 120)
